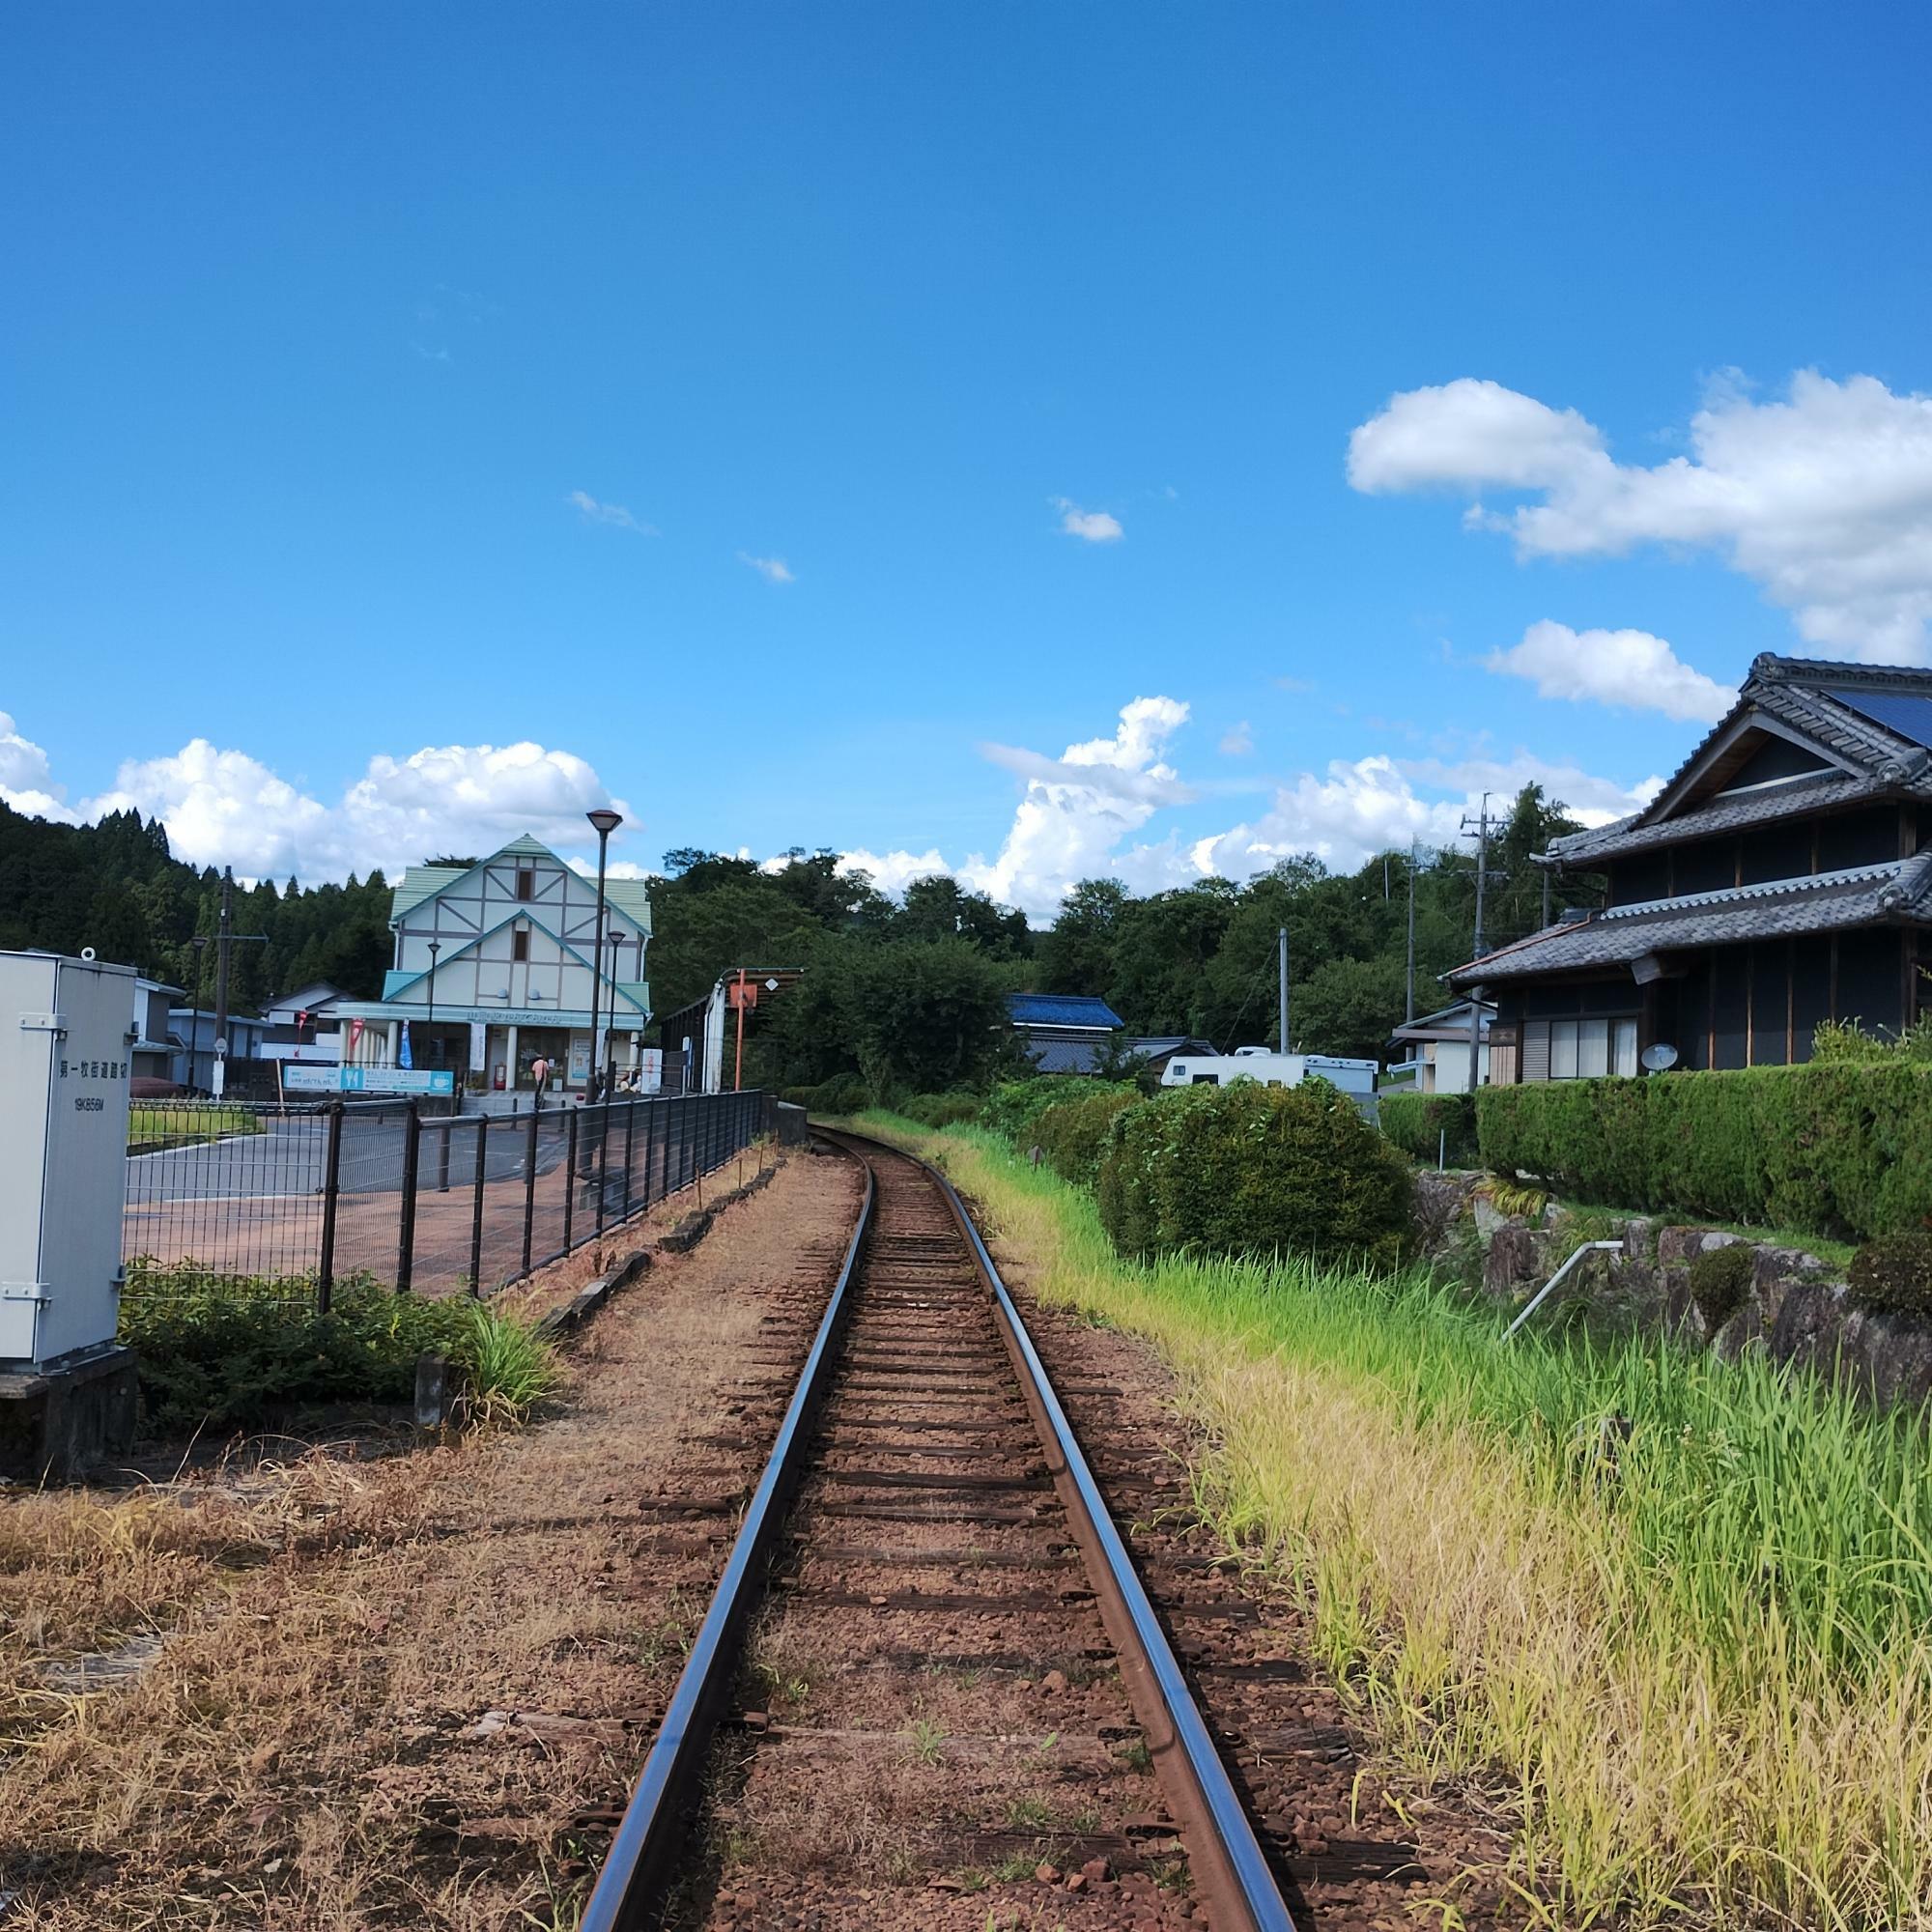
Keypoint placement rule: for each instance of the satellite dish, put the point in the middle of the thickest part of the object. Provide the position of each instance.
(1658, 1056)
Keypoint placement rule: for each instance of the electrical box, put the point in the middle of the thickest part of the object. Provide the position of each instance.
(64, 1063)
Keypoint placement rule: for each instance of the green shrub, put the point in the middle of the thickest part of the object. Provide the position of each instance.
(1720, 1280)
(843, 1093)
(1894, 1272)
(943, 1110)
(219, 1353)
(1073, 1134)
(1248, 1169)
(1016, 1105)
(1843, 1148)
(1417, 1121)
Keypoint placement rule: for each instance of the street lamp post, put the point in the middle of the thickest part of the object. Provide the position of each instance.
(604, 821)
(435, 946)
(614, 940)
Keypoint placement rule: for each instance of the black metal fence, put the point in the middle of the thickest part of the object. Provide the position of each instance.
(434, 1203)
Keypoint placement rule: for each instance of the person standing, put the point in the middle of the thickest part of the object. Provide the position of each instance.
(540, 1075)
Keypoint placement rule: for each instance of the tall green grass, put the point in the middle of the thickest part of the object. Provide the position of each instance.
(1682, 1604)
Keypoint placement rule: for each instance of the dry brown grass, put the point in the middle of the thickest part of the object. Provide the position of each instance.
(303, 1752)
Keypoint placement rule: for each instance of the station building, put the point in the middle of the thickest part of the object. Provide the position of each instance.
(494, 969)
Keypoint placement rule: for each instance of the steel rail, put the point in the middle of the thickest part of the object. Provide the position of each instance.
(1228, 1867)
(1230, 1870)
(654, 1835)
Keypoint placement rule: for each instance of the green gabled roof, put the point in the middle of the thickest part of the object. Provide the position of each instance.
(630, 898)
(423, 882)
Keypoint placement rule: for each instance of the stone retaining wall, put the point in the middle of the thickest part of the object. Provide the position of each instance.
(1796, 1307)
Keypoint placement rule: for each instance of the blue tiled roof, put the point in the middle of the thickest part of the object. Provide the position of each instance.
(1066, 1009)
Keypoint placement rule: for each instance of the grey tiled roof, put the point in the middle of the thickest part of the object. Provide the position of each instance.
(1826, 792)
(1778, 909)
(1874, 760)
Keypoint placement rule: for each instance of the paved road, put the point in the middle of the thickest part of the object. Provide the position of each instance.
(287, 1158)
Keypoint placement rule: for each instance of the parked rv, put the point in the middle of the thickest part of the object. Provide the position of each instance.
(1357, 1078)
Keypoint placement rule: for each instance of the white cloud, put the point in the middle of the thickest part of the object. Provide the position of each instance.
(1629, 667)
(1089, 525)
(1079, 811)
(771, 568)
(1823, 497)
(1239, 742)
(224, 808)
(26, 778)
(614, 514)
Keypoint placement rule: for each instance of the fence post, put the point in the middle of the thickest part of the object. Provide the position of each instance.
(602, 1164)
(331, 1190)
(476, 1210)
(629, 1140)
(442, 1160)
(653, 1113)
(406, 1241)
(530, 1181)
(569, 1174)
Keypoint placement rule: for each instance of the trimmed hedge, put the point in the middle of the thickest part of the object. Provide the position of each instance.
(1417, 1121)
(943, 1110)
(1073, 1134)
(1248, 1169)
(1843, 1148)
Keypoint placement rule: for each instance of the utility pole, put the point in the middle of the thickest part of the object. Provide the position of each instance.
(1481, 827)
(1281, 938)
(224, 940)
(1482, 830)
(1408, 1000)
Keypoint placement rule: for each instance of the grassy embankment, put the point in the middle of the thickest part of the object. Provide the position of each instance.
(1696, 1660)
(187, 1124)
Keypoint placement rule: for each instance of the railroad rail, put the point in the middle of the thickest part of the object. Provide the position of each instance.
(923, 1368)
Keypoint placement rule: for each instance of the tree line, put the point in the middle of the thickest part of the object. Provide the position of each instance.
(906, 993)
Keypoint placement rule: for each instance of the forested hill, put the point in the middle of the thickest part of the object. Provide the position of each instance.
(1197, 959)
(113, 885)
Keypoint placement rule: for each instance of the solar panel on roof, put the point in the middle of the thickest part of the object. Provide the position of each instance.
(1896, 710)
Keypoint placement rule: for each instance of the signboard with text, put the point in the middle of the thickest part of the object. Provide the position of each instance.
(368, 1080)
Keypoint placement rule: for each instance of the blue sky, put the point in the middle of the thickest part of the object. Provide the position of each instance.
(382, 379)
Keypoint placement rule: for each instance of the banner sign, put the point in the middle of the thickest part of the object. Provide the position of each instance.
(368, 1080)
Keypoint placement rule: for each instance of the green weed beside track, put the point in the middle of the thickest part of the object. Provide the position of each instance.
(1679, 1608)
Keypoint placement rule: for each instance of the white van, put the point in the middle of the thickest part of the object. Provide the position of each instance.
(1357, 1078)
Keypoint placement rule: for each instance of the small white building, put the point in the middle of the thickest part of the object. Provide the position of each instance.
(494, 969)
(306, 1026)
(1434, 1051)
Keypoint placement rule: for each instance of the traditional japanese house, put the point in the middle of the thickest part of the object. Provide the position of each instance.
(1782, 878)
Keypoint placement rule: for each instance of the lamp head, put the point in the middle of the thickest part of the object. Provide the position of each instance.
(605, 821)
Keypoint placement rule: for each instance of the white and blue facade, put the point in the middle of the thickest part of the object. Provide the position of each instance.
(509, 980)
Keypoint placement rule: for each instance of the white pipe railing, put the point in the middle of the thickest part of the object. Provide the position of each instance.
(1542, 1295)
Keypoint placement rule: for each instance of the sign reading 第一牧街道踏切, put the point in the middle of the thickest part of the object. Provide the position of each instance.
(297, 1079)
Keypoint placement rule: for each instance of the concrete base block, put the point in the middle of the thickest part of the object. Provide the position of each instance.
(56, 1423)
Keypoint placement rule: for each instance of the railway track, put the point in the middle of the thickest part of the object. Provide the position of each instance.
(930, 1662)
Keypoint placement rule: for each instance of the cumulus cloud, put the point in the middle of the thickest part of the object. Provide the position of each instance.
(1630, 667)
(225, 808)
(1823, 497)
(1359, 808)
(1239, 742)
(1073, 814)
(1079, 815)
(771, 568)
(1089, 525)
(26, 778)
(614, 514)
